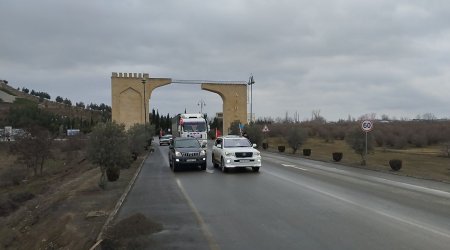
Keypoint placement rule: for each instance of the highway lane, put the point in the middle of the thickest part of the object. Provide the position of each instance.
(295, 203)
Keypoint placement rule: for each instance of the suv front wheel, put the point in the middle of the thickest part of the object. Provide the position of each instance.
(214, 162)
(224, 169)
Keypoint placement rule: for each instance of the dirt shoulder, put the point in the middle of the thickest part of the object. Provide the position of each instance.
(67, 211)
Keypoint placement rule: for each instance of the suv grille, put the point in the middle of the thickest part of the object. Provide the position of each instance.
(190, 154)
(244, 154)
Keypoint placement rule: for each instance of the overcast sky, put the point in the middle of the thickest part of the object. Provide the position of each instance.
(342, 57)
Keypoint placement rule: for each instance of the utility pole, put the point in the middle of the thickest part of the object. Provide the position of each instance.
(201, 103)
(251, 81)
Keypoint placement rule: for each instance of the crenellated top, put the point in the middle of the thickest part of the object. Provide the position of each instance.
(130, 75)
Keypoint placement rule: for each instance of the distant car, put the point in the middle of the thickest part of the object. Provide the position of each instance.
(165, 139)
(186, 151)
(235, 152)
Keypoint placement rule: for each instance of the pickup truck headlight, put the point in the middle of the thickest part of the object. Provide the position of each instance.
(229, 154)
(177, 153)
(257, 154)
(202, 153)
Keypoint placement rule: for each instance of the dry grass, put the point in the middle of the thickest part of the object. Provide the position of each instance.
(56, 217)
(427, 163)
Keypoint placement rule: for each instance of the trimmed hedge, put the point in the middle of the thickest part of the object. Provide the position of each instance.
(395, 164)
(337, 156)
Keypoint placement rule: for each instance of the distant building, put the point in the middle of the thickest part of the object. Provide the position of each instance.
(73, 132)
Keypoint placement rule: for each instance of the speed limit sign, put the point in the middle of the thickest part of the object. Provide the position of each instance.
(366, 125)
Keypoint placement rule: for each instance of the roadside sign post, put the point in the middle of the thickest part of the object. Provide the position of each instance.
(265, 130)
(241, 128)
(366, 126)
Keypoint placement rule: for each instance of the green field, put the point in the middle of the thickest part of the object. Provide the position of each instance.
(426, 163)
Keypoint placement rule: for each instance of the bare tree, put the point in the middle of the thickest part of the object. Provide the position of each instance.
(316, 117)
(33, 148)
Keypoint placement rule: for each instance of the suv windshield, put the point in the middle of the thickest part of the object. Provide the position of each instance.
(186, 144)
(235, 143)
(194, 127)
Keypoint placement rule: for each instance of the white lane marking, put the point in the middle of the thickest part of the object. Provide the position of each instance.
(424, 226)
(408, 186)
(294, 166)
(206, 232)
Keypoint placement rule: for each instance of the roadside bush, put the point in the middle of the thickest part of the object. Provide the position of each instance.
(446, 149)
(113, 174)
(337, 156)
(281, 149)
(255, 134)
(7, 206)
(21, 196)
(295, 137)
(356, 139)
(306, 151)
(12, 176)
(74, 143)
(419, 140)
(234, 128)
(400, 142)
(108, 148)
(395, 164)
(138, 136)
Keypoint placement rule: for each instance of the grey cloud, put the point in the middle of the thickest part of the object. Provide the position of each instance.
(305, 55)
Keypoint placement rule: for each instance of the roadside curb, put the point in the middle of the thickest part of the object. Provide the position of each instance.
(119, 203)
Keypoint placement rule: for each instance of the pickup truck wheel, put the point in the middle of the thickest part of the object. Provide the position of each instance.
(203, 167)
(255, 169)
(224, 169)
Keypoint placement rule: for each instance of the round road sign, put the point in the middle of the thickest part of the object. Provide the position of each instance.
(366, 125)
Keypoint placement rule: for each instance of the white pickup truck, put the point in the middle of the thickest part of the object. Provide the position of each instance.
(235, 152)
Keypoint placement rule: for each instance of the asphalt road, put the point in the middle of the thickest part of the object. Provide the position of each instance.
(292, 203)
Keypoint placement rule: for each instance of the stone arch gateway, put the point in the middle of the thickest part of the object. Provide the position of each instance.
(129, 101)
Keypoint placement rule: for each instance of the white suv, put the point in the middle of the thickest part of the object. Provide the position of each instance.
(233, 151)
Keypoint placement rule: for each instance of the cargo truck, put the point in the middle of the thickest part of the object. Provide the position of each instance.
(190, 125)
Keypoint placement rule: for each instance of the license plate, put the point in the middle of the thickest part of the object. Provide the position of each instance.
(190, 160)
(244, 161)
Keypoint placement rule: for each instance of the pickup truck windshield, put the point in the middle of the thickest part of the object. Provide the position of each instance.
(235, 143)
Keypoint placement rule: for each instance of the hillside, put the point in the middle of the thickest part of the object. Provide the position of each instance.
(8, 94)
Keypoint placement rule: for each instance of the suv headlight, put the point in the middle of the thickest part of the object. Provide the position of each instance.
(229, 154)
(202, 153)
(177, 153)
(257, 154)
